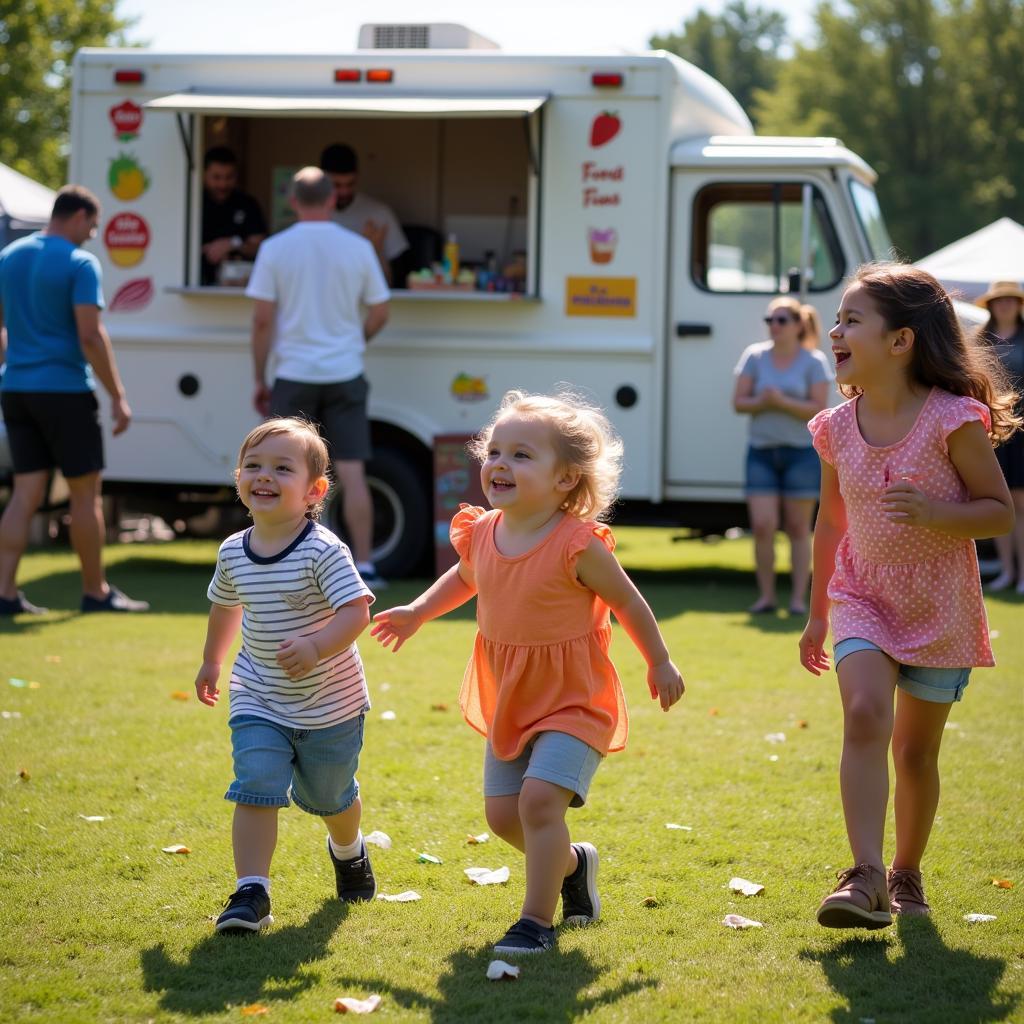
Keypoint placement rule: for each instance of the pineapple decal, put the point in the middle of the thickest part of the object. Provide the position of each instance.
(127, 180)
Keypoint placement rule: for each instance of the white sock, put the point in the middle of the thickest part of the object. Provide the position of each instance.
(248, 879)
(347, 852)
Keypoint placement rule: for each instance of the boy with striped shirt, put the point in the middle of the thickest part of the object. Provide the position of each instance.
(297, 691)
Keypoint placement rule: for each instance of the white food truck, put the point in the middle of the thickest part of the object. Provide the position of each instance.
(619, 226)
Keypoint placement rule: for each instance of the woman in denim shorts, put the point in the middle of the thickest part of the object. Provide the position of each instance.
(781, 383)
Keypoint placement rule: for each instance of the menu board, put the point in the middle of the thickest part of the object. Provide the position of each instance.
(456, 482)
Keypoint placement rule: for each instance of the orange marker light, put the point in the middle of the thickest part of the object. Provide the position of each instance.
(380, 75)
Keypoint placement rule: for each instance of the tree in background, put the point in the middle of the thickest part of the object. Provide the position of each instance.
(932, 95)
(38, 40)
(739, 47)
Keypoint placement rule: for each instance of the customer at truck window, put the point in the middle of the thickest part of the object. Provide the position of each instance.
(310, 283)
(359, 212)
(1004, 301)
(781, 383)
(233, 224)
(56, 347)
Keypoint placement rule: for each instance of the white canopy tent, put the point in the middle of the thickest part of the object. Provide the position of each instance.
(971, 264)
(25, 205)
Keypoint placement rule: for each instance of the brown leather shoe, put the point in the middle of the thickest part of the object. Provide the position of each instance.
(906, 893)
(860, 900)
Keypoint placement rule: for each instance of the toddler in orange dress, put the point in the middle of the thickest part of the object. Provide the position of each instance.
(540, 685)
(908, 479)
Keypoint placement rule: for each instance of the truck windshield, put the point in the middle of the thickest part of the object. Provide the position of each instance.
(869, 213)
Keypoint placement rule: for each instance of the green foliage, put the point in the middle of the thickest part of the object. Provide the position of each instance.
(100, 925)
(932, 95)
(38, 40)
(739, 47)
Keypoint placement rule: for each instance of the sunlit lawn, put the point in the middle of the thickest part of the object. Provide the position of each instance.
(99, 925)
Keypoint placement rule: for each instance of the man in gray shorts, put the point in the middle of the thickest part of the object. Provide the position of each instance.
(311, 282)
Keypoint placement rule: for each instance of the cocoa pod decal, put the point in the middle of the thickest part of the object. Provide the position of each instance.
(132, 296)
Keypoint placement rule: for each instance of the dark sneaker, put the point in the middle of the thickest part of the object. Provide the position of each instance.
(20, 605)
(247, 910)
(354, 877)
(906, 893)
(374, 580)
(526, 937)
(860, 900)
(580, 901)
(115, 601)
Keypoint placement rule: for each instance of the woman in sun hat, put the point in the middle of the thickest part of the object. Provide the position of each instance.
(1004, 301)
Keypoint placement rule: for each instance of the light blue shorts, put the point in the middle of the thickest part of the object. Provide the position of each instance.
(315, 767)
(938, 685)
(555, 757)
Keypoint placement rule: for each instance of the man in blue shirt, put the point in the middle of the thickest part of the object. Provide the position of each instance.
(55, 346)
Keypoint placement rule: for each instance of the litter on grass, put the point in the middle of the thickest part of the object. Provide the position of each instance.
(92, 817)
(477, 840)
(388, 716)
(485, 876)
(428, 858)
(255, 1010)
(179, 695)
(978, 918)
(10, 714)
(678, 828)
(439, 707)
(1002, 883)
(739, 923)
(18, 683)
(498, 969)
(773, 757)
(378, 838)
(344, 1004)
(650, 901)
(409, 896)
(745, 887)
(775, 737)
(24, 774)
(176, 848)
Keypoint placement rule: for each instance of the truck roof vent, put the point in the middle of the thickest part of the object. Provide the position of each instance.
(435, 36)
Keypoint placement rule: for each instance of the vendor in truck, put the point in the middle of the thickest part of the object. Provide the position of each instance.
(357, 211)
(233, 224)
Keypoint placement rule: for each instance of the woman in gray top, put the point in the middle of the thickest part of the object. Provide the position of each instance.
(781, 384)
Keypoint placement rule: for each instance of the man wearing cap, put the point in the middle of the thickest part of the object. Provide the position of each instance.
(359, 212)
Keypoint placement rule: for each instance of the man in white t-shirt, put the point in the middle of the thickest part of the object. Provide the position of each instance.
(357, 211)
(311, 283)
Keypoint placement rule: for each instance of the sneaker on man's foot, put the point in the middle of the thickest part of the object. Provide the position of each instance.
(115, 601)
(526, 936)
(373, 579)
(906, 893)
(20, 605)
(354, 878)
(860, 900)
(247, 909)
(580, 902)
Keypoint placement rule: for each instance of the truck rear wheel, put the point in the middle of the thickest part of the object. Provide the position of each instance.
(401, 514)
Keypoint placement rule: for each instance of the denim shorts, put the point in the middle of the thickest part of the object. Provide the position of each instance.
(555, 757)
(789, 472)
(315, 767)
(938, 685)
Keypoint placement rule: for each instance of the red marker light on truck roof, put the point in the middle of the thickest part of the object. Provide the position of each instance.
(124, 76)
(348, 75)
(380, 75)
(606, 79)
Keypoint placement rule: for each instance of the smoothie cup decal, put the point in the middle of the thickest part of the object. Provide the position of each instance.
(602, 244)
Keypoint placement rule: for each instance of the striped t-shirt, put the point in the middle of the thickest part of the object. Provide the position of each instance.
(293, 593)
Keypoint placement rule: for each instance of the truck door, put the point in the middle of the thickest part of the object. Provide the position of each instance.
(736, 244)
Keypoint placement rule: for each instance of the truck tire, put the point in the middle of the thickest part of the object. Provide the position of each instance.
(402, 516)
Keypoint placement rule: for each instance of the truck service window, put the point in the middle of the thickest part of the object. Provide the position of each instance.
(747, 239)
(869, 213)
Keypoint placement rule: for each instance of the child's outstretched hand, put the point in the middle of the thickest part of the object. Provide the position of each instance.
(813, 656)
(395, 625)
(298, 656)
(666, 684)
(206, 683)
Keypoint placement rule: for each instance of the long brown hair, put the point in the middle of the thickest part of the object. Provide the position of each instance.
(943, 356)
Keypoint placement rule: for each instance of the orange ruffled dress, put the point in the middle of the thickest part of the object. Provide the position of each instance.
(540, 660)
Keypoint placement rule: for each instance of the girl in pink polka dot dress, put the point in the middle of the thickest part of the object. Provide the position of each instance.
(909, 479)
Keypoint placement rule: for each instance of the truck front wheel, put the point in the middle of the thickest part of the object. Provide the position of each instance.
(402, 517)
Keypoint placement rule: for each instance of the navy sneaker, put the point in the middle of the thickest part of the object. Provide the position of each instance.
(580, 902)
(526, 936)
(247, 910)
(20, 605)
(354, 878)
(115, 601)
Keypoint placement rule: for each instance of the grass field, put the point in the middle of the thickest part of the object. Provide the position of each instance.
(97, 924)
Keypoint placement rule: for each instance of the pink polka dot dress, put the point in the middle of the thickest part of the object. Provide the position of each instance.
(913, 591)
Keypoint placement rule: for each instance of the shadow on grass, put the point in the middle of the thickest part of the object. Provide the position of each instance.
(549, 989)
(226, 970)
(930, 982)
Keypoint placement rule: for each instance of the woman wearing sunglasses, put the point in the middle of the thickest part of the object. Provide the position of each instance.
(781, 383)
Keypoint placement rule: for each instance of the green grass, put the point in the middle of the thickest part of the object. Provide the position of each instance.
(97, 924)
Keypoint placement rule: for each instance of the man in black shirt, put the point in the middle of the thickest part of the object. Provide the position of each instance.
(233, 224)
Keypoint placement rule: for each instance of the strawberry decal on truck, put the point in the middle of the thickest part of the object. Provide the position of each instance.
(605, 127)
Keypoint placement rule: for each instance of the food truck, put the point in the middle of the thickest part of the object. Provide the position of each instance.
(617, 227)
